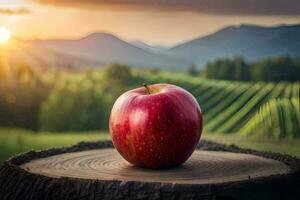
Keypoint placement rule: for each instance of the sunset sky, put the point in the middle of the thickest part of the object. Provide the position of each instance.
(165, 22)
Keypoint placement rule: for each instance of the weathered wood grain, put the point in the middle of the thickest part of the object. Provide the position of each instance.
(94, 171)
(204, 167)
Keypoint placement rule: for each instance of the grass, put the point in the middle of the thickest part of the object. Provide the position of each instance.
(284, 146)
(15, 141)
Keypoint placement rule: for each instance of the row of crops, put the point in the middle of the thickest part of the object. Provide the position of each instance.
(257, 109)
(280, 117)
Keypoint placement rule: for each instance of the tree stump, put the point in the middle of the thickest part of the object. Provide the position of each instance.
(94, 170)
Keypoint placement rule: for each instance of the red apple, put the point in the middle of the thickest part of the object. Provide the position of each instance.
(156, 126)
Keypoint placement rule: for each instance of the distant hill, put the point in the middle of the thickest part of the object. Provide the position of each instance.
(250, 41)
(107, 48)
(147, 47)
(35, 56)
(99, 49)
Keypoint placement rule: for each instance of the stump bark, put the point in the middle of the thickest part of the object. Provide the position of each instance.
(94, 170)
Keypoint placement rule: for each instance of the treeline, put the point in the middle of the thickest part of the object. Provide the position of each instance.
(62, 101)
(271, 69)
(83, 103)
(22, 91)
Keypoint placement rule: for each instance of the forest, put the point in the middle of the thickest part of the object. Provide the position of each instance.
(282, 68)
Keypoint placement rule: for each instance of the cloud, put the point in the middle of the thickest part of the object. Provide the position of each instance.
(227, 7)
(18, 11)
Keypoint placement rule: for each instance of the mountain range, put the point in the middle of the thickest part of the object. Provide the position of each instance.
(250, 41)
(99, 49)
(107, 48)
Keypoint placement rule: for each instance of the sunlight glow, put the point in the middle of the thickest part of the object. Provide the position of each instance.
(4, 35)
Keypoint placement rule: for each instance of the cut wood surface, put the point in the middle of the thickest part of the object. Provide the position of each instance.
(95, 171)
(202, 168)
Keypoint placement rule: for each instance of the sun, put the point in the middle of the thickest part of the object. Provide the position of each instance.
(5, 35)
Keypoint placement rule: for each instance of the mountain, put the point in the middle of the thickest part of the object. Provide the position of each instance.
(99, 49)
(147, 47)
(23, 52)
(250, 41)
(107, 48)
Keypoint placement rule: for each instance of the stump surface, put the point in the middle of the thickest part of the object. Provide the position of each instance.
(94, 171)
(203, 167)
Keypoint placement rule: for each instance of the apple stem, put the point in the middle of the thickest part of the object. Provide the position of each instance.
(146, 86)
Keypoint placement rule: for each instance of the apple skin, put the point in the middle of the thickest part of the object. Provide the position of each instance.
(156, 130)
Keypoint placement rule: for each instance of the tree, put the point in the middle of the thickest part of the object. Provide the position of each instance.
(118, 72)
(192, 70)
(270, 69)
(276, 69)
(241, 71)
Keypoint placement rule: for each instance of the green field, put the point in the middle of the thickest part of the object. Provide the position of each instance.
(228, 106)
(82, 101)
(281, 117)
(15, 141)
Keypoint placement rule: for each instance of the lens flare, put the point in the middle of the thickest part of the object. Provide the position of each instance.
(4, 35)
